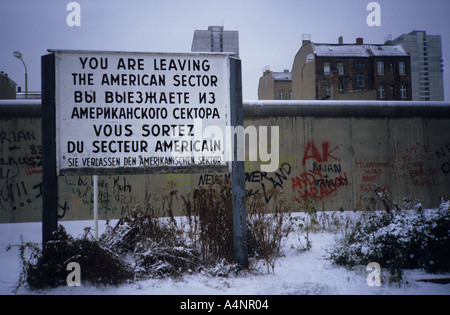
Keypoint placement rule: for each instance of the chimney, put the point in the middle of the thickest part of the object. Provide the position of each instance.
(359, 41)
(306, 39)
(340, 40)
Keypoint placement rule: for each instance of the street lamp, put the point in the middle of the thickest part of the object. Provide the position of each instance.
(18, 55)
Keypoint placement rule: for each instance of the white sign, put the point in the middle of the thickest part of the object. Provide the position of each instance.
(118, 111)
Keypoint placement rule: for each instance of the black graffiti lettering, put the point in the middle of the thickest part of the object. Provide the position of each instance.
(64, 208)
(121, 187)
(443, 151)
(17, 136)
(39, 188)
(326, 181)
(445, 168)
(25, 160)
(277, 180)
(268, 181)
(6, 185)
(331, 168)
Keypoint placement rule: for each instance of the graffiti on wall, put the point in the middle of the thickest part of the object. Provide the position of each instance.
(20, 161)
(117, 195)
(264, 182)
(413, 164)
(443, 155)
(325, 176)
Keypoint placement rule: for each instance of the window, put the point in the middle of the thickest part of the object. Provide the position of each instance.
(402, 68)
(341, 88)
(327, 90)
(403, 94)
(360, 80)
(381, 92)
(290, 94)
(281, 93)
(380, 67)
(340, 68)
(326, 68)
(360, 65)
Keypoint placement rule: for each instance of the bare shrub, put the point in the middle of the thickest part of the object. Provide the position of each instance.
(136, 230)
(385, 199)
(212, 207)
(156, 245)
(47, 267)
(267, 227)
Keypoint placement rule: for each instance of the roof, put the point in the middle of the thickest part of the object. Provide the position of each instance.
(355, 50)
(282, 76)
(387, 50)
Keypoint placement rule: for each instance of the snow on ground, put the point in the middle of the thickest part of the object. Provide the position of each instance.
(297, 273)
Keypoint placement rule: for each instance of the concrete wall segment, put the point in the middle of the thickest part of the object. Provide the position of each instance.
(332, 154)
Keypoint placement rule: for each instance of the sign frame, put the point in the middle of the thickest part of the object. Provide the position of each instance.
(216, 61)
(50, 171)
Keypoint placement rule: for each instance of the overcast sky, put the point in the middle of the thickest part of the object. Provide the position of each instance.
(270, 31)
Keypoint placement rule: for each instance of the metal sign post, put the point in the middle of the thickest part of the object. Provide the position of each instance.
(49, 176)
(238, 168)
(95, 192)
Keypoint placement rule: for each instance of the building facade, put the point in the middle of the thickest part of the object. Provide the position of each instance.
(7, 87)
(216, 39)
(351, 72)
(275, 86)
(426, 65)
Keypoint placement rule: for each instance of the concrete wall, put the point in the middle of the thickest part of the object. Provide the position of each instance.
(332, 154)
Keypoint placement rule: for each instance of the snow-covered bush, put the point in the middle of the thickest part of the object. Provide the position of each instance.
(398, 240)
(47, 267)
(154, 246)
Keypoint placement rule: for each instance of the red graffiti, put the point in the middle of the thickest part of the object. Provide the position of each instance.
(423, 176)
(314, 185)
(312, 152)
(33, 164)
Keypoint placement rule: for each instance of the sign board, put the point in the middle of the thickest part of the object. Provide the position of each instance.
(115, 112)
(121, 112)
